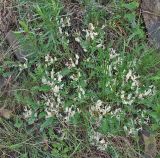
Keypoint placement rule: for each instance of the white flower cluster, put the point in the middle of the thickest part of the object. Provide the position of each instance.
(65, 21)
(91, 38)
(77, 36)
(64, 24)
(70, 112)
(90, 34)
(75, 77)
(130, 129)
(53, 100)
(113, 53)
(64, 29)
(56, 108)
(129, 92)
(99, 140)
(81, 92)
(135, 125)
(27, 113)
(99, 109)
(71, 64)
(49, 60)
(117, 113)
(23, 66)
(53, 108)
(54, 82)
(130, 89)
(129, 98)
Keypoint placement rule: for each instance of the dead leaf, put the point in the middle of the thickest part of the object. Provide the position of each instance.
(5, 113)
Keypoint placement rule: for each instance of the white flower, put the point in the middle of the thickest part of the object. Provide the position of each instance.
(47, 58)
(79, 95)
(103, 26)
(117, 111)
(77, 59)
(70, 64)
(52, 74)
(82, 90)
(44, 80)
(87, 34)
(99, 45)
(25, 65)
(93, 34)
(77, 56)
(127, 102)
(68, 21)
(69, 113)
(122, 94)
(59, 99)
(55, 59)
(90, 34)
(27, 113)
(62, 22)
(77, 39)
(113, 53)
(129, 75)
(74, 77)
(132, 131)
(98, 140)
(56, 89)
(147, 92)
(125, 128)
(91, 27)
(102, 141)
(66, 33)
(108, 108)
(98, 103)
(49, 114)
(140, 96)
(85, 50)
(60, 30)
(59, 76)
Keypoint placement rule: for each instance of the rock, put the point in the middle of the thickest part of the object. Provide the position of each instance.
(2, 82)
(151, 14)
(8, 23)
(14, 44)
(150, 150)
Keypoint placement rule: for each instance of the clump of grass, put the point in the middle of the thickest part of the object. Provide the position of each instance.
(81, 86)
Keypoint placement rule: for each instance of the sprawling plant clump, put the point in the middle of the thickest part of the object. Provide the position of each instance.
(80, 82)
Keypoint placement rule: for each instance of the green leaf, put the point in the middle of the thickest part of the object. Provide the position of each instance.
(18, 124)
(15, 146)
(39, 10)
(32, 119)
(156, 116)
(155, 78)
(42, 115)
(24, 155)
(76, 119)
(47, 123)
(43, 88)
(65, 71)
(109, 125)
(130, 17)
(131, 6)
(24, 26)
